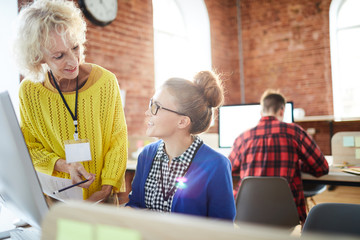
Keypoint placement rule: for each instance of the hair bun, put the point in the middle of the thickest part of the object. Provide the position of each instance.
(210, 85)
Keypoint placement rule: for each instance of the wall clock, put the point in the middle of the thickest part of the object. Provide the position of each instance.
(99, 12)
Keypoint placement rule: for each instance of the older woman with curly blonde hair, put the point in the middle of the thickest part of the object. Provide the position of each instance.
(68, 107)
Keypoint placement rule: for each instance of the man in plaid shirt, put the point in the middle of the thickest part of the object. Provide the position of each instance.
(276, 148)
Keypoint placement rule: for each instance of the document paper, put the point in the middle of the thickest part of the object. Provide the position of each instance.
(50, 184)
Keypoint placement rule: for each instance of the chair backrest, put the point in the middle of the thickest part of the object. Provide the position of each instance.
(332, 218)
(266, 200)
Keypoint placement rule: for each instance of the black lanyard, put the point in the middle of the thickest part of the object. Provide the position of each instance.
(172, 190)
(74, 117)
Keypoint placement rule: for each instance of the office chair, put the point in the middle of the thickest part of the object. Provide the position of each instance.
(266, 200)
(333, 218)
(310, 190)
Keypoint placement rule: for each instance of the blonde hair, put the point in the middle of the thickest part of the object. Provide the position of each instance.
(197, 98)
(272, 101)
(35, 23)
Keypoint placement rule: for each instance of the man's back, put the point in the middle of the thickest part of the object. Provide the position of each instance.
(275, 148)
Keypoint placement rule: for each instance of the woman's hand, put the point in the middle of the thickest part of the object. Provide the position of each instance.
(101, 195)
(76, 171)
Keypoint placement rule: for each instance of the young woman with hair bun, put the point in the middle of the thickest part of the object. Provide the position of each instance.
(179, 173)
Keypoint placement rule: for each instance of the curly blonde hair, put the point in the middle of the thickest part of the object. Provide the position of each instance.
(35, 23)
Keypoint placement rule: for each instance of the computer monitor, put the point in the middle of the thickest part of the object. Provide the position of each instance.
(125, 223)
(235, 119)
(20, 189)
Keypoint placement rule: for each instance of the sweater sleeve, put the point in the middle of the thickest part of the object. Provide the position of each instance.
(43, 160)
(221, 203)
(114, 169)
(145, 159)
(135, 199)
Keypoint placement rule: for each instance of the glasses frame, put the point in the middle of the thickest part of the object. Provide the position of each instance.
(152, 103)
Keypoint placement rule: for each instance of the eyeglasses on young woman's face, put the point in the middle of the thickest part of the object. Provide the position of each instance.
(154, 108)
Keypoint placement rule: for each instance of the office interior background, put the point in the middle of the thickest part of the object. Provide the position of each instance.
(308, 49)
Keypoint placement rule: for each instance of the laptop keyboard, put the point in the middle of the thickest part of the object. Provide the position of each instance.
(26, 234)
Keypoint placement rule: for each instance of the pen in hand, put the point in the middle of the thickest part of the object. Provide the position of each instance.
(71, 186)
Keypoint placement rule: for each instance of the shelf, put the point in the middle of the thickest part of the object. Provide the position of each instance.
(315, 118)
(328, 118)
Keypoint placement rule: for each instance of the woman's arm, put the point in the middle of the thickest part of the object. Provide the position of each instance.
(115, 158)
(221, 201)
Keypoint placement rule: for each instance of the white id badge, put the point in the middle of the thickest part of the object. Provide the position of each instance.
(77, 151)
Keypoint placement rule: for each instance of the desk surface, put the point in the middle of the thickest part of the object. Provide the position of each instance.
(131, 164)
(335, 176)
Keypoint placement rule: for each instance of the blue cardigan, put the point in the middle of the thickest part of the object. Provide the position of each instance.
(209, 190)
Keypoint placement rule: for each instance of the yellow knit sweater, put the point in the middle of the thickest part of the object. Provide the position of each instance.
(46, 123)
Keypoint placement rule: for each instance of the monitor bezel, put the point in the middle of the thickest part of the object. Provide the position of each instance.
(244, 104)
(26, 200)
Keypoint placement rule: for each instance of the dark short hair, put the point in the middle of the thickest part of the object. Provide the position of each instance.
(272, 101)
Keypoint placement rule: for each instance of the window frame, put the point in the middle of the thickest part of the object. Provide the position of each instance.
(335, 8)
(197, 30)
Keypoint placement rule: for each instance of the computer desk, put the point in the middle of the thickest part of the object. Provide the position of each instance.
(131, 165)
(335, 176)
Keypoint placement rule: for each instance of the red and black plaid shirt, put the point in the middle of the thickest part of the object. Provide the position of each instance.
(275, 148)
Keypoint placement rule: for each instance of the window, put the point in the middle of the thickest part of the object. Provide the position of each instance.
(345, 57)
(9, 75)
(181, 39)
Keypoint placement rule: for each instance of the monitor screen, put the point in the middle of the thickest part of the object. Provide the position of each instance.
(20, 189)
(235, 119)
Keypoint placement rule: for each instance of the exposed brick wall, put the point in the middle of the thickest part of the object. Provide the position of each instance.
(224, 45)
(125, 47)
(286, 46)
(326, 129)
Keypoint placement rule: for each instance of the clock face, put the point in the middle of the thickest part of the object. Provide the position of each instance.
(99, 12)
